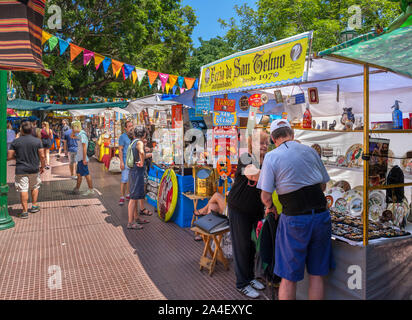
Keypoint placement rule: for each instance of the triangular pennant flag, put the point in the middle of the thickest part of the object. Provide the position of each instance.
(45, 36)
(172, 80)
(124, 74)
(189, 82)
(106, 63)
(128, 70)
(118, 71)
(196, 85)
(74, 51)
(180, 81)
(134, 76)
(63, 46)
(87, 56)
(167, 88)
(163, 79)
(140, 74)
(174, 89)
(53, 42)
(116, 66)
(98, 58)
(159, 84)
(152, 76)
(182, 90)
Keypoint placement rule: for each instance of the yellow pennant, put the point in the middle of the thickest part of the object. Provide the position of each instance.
(45, 36)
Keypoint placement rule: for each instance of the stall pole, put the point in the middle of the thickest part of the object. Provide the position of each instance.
(6, 221)
(366, 152)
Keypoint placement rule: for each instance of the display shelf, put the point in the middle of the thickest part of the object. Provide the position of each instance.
(390, 186)
(325, 130)
(391, 131)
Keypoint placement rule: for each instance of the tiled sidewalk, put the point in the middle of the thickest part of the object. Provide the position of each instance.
(98, 257)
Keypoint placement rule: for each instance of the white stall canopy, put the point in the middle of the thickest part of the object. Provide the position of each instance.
(153, 102)
(89, 112)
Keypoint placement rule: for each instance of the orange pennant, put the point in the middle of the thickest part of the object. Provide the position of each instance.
(134, 76)
(74, 51)
(45, 36)
(98, 58)
(172, 80)
(189, 82)
(152, 76)
(117, 66)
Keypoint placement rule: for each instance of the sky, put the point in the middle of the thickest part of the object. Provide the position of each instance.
(208, 12)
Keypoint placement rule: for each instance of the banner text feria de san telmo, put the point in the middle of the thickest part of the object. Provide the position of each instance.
(277, 63)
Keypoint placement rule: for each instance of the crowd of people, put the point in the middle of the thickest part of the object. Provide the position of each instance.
(293, 170)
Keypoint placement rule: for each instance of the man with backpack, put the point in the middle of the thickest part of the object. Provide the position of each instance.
(81, 158)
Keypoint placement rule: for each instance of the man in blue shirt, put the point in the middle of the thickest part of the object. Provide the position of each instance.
(124, 142)
(70, 148)
(303, 236)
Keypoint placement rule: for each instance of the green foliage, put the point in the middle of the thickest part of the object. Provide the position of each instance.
(152, 34)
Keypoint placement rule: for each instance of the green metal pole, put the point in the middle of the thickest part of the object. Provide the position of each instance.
(6, 221)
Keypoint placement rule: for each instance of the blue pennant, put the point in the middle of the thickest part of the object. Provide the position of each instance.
(106, 63)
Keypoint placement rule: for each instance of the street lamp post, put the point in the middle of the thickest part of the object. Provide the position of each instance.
(347, 35)
(6, 221)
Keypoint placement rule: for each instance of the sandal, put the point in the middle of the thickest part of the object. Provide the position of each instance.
(142, 221)
(134, 226)
(145, 212)
(198, 238)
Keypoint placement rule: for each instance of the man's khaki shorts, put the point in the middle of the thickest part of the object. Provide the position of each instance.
(72, 157)
(26, 182)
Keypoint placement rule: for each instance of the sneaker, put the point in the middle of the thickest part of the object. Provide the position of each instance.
(121, 201)
(128, 197)
(249, 292)
(256, 284)
(74, 177)
(76, 191)
(89, 192)
(23, 215)
(34, 209)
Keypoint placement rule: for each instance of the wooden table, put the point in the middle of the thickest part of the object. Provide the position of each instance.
(195, 199)
(217, 254)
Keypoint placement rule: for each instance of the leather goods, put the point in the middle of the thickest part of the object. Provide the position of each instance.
(213, 222)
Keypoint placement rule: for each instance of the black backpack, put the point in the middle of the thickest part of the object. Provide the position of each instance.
(395, 176)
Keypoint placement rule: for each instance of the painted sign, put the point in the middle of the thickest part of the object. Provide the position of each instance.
(225, 142)
(255, 100)
(228, 105)
(244, 103)
(177, 116)
(167, 195)
(299, 98)
(202, 106)
(224, 118)
(278, 63)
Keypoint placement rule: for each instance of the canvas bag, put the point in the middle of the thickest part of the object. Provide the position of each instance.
(114, 165)
(129, 154)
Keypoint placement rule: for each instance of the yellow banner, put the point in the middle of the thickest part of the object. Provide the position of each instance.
(278, 63)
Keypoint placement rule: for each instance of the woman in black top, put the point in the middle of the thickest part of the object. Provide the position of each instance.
(245, 210)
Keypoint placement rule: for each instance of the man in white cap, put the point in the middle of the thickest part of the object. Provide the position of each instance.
(303, 237)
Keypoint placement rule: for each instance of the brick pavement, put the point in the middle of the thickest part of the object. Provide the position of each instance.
(98, 257)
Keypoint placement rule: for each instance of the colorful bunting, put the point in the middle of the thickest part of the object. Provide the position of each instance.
(140, 74)
(180, 81)
(63, 46)
(182, 90)
(152, 76)
(172, 80)
(163, 79)
(189, 82)
(134, 76)
(106, 63)
(53, 41)
(98, 59)
(45, 36)
(196, 85)
(128, 70)
(174, 89)
(74, 51)
(167, 88)
(87, 56)
(116, 66)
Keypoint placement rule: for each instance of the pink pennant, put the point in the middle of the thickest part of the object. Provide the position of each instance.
(163, 79)
(87, 56)
(182, 90)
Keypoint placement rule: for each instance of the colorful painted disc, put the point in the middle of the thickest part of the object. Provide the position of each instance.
(167, 195)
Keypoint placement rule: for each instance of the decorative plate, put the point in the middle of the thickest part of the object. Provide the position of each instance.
(317, 148)
(356, 206)
(375, 212)
(358, 189)
(399, 211)
(340, 161)
(329, 200)
(330, 184)
(406, 164)
(377, 197)
(343, 184)
(341, 205)
(335, 193)
(353, 156)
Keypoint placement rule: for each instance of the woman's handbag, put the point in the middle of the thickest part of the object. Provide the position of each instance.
(212, 222)
(114, 165)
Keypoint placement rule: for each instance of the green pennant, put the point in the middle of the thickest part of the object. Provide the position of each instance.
(53, 41)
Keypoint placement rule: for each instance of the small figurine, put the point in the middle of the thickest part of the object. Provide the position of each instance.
(332, 125)
(314, 124)
(347, 115)
(348, 125)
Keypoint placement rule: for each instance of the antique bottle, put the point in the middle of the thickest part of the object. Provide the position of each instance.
(397, 116)
(307, 118)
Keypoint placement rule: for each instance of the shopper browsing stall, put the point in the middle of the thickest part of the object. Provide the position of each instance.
(245, 210)
(124, 142)
(70, 147)
(303, 236)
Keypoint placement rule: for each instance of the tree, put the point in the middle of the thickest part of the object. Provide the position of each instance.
(275, 20)
(152, 34)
